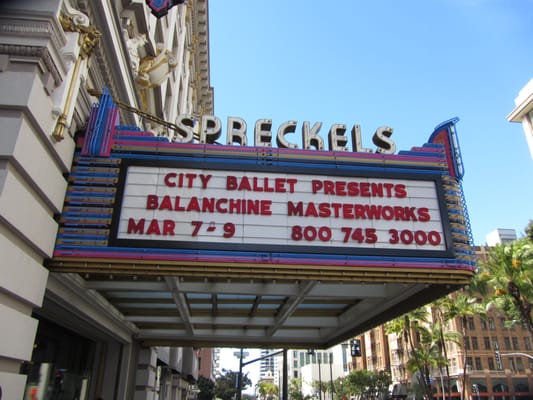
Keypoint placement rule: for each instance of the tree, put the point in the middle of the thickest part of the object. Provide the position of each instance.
(320, 386)
(206, 387)
(340, 388)
(463, 307)
(404, 327)
(368, 384)
(226, 385)
(267, 390)
(440, 337)
(508, 276)
(295, 389)
(529, 231)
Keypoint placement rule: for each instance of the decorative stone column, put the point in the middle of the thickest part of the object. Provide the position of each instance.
(145, 378)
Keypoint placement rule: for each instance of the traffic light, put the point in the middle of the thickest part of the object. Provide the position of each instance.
(498, 359)
(355, 348)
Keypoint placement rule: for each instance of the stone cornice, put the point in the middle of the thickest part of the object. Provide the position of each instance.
(28, 29)
(39, 53)
(37, 40)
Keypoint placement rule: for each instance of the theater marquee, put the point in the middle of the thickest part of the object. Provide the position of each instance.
(174, 205)
(201, 244)
(137, 203)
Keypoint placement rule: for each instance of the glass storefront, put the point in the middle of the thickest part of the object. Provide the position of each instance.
(61, 364)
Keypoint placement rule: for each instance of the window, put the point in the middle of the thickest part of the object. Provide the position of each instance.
(479, 365)
(471, 324)
(491, 363)
(519, 364)
(495, 343)
(469, 361)
(492, 326)
(474, 343)
(486, 340)
(467, 343)
(511, 364)
(515, 343)
(527, 343)
(507, 342)
(483, 324)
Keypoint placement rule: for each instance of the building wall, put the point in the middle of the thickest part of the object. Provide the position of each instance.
(47, 74)
(206, 364)
(31, 178)
(523, 112)
(306, 364)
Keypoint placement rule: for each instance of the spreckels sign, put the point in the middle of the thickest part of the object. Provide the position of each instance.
(209, 129)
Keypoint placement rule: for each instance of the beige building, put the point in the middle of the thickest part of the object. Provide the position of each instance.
(61, 339)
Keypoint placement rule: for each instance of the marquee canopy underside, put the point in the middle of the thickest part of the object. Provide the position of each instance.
(267, 313)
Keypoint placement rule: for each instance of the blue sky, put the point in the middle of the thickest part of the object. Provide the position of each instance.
(408, 64)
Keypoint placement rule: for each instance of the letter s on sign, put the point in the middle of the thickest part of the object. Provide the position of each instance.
(185, 124)
(382, 139)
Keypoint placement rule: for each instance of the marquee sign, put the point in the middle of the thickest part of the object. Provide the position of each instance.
(186, 207)
(174, 205)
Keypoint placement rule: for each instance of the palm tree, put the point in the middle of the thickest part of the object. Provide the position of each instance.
(507, 275)
(295, 389)
(267, 390)
(464, 307)
(440, 337)
(404, 327)
(396, 327)
(440, 310)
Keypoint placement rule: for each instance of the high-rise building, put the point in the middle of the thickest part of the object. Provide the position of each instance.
(59, 335)
(500, 236)
(268, 366)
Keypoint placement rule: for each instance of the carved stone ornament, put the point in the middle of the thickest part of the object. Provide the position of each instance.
(73, 20)
(133, 45)
(153, 71)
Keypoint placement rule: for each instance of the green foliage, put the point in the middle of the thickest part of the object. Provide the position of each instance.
(340, 388)
(529, 231)
(226, 385)
(507, 277)
(206, 387)
(267, 390)
(365, 384)
(295, 389)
